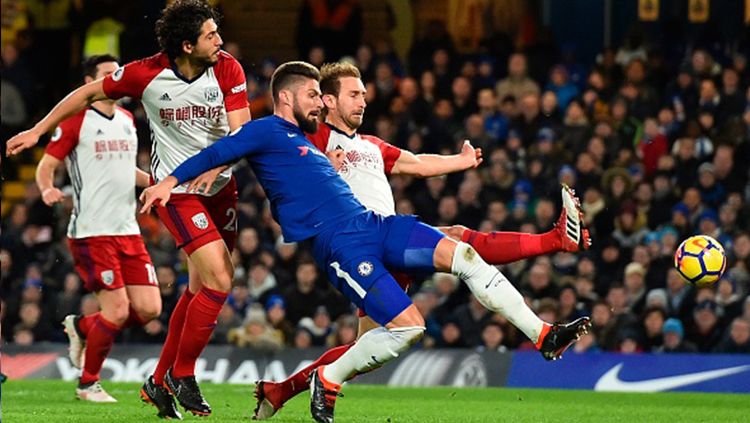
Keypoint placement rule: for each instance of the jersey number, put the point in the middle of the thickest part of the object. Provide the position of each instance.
(232, 225)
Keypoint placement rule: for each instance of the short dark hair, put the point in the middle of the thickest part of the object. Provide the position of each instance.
(90, 65)
(290, 73)
(331, 74)
(182, 21)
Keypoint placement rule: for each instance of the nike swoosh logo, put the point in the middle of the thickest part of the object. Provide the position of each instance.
(611, 381)
(290, 135)
(490, 282)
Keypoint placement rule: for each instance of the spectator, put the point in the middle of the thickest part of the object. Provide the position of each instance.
(674, 333)
(239, 299)
(737, 340)
(451, 336)
(518, 83)
(653, 325)
(706, 332)
(276, 316)
(227, 320)
(302, 299)
(493, 336)
(470, 319)
(560, 84)
(261, 282)
(319, 325)
(345, 331)
(635, 287)
(256, 333)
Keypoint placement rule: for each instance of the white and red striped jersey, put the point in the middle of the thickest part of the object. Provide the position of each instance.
(368, 160)
(185, 116)
(100, 155)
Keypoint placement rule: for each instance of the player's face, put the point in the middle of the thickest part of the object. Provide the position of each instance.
(307, 105)
(106, 68)
(350, 104)
(206, 49)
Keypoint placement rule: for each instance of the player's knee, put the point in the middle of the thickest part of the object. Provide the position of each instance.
(148, 312)
(219, 278)
(464, 259)
(117, 314)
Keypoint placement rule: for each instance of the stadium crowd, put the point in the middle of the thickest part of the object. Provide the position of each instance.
(657, 149)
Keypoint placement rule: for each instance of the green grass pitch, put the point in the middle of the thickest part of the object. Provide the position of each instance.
(53, 402)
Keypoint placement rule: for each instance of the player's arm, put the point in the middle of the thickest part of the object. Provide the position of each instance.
(45, 176)
(73, 103)
(226, 150)
(142, 179)
(427, 165)
(235, 118)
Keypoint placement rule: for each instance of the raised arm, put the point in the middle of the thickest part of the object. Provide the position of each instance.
(73, 103)
(45, 176)
(235, 118)
(226, 150)
(427, 165)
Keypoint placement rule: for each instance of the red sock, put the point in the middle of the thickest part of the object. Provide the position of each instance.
(85, 323)
(133, 319)
(507, 247)
(297, 382)
(169, 350)
(99, 342)
(200, 321)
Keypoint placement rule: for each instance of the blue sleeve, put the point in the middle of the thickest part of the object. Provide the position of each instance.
(226, 150)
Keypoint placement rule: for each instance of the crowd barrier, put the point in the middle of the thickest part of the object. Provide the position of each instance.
(447, 367)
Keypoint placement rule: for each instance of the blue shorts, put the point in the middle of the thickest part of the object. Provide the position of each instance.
(358, 253)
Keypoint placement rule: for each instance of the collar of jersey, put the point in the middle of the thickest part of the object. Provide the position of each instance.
(102, 114)
(333, 128)
(183, 77)
(290, 126)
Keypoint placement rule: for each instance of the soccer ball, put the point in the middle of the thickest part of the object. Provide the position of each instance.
(700, 260)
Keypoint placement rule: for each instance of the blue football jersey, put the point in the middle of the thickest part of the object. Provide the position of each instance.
(307, 195)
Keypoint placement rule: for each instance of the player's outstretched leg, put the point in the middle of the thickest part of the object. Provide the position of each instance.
(159, 397)
(569, 235)
(271, 396)
(496, 293)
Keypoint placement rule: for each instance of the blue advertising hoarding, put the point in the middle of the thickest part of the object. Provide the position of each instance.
(633, 372)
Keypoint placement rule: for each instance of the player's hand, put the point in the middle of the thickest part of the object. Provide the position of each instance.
(454, 232)
(21, 141)
(202, 184)
(52, 195)
(157, 194)
(337, 158)
(473, 156)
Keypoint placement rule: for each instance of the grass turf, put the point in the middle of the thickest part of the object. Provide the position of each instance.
(53, 402)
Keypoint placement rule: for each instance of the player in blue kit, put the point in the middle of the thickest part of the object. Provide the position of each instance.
(311, 201)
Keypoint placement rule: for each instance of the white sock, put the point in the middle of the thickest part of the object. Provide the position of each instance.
(494, 291)
(371, 351)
